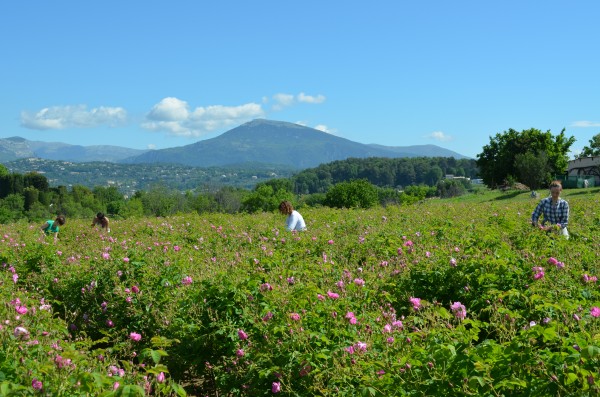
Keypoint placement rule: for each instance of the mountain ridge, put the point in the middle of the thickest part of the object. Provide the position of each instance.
(259, 140)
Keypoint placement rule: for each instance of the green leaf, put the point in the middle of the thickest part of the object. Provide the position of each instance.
(571, 377)
(179, 390)
(130, 391)
(590, 352)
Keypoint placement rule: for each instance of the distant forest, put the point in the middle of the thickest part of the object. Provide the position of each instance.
(383, 172)
(346, 183)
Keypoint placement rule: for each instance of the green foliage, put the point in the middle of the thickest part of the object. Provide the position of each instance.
(497, 160)
(593, 149)
(533, 170)
(382, 172)
(227, 305)
(352, 194)
(267, 196)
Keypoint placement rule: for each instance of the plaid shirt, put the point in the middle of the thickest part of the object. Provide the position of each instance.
(554, 214)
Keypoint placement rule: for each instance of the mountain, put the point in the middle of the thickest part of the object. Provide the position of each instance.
(258, 141)
(16, 148)
(278, 142)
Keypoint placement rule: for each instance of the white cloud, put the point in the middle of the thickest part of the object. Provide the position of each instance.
(282, 101)
(286, 100)
(173, 116)
(73, 116)
(169, 109)
(310, 99)
(585, 124)
(439, 136)
(151, 146)
(324, 128)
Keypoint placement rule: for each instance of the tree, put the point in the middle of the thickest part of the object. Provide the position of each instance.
(593, 149)
(358, 193)
(497, 160)
(533, 170)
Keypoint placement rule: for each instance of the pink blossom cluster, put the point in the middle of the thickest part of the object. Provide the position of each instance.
(459, 310)
(416, 302)
(538, 272)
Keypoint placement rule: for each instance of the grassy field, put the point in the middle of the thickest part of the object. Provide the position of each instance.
(445, 297)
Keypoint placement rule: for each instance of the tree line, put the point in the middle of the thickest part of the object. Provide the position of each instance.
(530, 156)
(349, 183)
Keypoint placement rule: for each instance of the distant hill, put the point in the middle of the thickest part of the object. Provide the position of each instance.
(279, 142)
(258, 141)
(17, 148)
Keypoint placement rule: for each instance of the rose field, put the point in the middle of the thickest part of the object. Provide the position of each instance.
(441, 298)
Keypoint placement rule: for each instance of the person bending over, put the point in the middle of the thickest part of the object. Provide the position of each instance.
(294, 220)
(101, 220)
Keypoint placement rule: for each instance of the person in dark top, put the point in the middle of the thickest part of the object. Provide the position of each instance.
(101, 220)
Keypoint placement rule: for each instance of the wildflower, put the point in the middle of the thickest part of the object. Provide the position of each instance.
(36, 384)
(353, 321)
(595, 311)
(135, 289)
(416, 302)
(187, 280)
(291, 280)
(387, 328)
(408, 243)
(242, 335)
(452, 262)
(359, 281)
(295, 316)
(360, 346)
(459, 310)
(126, 260)
(134, 336)
(109, 323)
(21, 309)
(267, 316)
(398, 324)
(390, 340)
(176, 248)
(552, 261)
(276, 387)
(332, 295)
(320, 297)
(15, 277)
(330, 242)
(266, 287)
(116, 385)
(160, 378)
(240, 353)
(105, 255)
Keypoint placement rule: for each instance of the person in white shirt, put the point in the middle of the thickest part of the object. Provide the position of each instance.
(294, 220)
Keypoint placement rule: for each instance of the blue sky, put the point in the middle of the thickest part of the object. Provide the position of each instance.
(158, 74)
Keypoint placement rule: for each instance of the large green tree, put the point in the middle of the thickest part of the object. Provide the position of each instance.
(593, 149)
(497, 160)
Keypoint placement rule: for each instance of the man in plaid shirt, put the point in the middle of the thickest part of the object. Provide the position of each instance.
(554, 209)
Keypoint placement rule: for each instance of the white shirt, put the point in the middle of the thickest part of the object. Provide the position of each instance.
(295, 221)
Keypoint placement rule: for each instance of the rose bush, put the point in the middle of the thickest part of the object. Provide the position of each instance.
(437, 298)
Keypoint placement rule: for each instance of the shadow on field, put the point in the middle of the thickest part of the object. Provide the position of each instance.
(584, 192)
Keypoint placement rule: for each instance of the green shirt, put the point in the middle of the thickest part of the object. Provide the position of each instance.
(51, 228)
